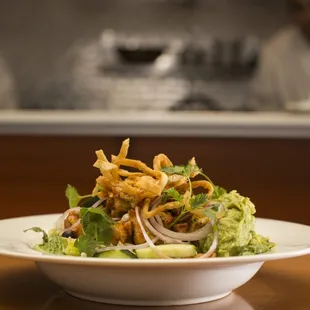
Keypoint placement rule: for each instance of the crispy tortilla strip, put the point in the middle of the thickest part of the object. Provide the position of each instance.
(193, 163)
(148, 184)
(109, 170)
(161, 160)
(122, 153)
(167, 206)
(138, 164)
(100, 158)
(127, 189)
(205, 184)
(125, 173)
(176, 180)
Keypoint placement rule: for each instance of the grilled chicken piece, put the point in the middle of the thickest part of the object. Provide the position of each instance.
(166, 218)
(128, 227)
(137, 233)
(123, 232)
(121, 206)
(182, 227)
(72, 218)
(78, 230)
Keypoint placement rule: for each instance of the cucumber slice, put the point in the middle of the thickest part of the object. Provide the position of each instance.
(171, 250)
(116, 254)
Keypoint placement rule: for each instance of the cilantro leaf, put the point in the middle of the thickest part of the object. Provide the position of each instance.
(218, 192)
(182, 170)
(95, 215)
(198, 201)
(190, 168)
(97, 229)
(187, 171)
(174, 170)
(38, 229)
(174, 194)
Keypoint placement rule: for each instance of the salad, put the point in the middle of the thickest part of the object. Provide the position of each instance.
(165, 211)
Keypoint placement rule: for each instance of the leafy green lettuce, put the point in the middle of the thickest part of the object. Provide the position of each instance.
(236, 229)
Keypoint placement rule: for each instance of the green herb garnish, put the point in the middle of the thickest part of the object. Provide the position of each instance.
(194, 201)
(218, 192)
(174, 194)
(38, 229)
(97, 230)
(198, 201)
(73, 196)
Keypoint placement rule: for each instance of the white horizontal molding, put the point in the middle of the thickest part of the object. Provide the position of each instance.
(155, 123)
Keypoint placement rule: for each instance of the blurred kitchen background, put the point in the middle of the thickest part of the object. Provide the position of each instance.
(152, 56)
(133, 54)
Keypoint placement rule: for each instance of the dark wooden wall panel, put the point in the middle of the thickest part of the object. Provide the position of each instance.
(274, 173)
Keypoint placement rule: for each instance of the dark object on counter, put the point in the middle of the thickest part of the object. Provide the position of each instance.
(197, 102)
(139, 56)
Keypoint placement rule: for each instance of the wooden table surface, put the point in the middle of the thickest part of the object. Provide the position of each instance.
(283, 284)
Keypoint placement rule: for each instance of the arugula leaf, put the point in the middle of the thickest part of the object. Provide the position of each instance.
(174, 194)
(73, 196)
(198, 201)
(38, 229)
(97, 229)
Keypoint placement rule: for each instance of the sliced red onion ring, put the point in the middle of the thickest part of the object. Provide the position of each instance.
(125, 217)
(147, 238)
(97, 203)
(158, 234)
(77, 223)
(213, 246)
(159, 220)
(60, 223)
(193, 236)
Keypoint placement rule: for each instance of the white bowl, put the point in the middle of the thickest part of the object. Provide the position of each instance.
(150, 282)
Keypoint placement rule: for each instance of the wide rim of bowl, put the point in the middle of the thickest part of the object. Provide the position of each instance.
(188, 262)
